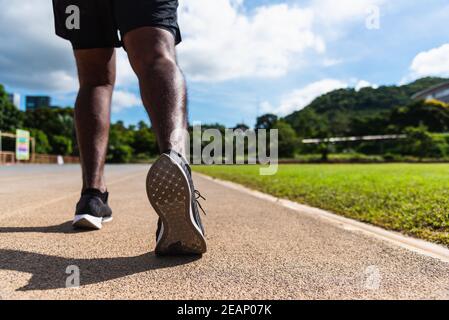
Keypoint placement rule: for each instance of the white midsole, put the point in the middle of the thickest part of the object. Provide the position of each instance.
(95, 222)
(161, 232)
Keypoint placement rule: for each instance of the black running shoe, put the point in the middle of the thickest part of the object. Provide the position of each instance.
(172, 194)
(92, 210)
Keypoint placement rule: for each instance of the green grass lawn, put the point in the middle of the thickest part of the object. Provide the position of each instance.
(411, 198)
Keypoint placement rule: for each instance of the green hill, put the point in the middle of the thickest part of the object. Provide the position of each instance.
(347, 111)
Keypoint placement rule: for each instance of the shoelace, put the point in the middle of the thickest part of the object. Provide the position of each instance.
(199, 196)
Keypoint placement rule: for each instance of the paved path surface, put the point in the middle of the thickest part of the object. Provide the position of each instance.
(257, 249)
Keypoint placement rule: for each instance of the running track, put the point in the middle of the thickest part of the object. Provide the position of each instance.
(258, 249)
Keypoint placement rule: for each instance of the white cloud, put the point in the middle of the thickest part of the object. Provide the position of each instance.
(337, 13)
(360, 84)
(434, 62)
(330, 62)
(122, 100)
(125, 74)
(31, 56)
(298, 99)
(222, 41)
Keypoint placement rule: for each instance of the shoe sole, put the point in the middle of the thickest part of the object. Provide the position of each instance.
(169, 193)
(88, 222)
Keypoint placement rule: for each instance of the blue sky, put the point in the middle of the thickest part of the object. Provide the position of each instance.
(243, 58)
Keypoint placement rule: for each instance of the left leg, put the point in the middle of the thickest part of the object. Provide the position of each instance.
(170, 186)
(152, 55)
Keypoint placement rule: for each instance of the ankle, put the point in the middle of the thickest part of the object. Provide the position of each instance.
(103, 195)
(99, 185)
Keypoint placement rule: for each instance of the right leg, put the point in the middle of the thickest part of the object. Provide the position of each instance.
(93, 44)
(96, 72)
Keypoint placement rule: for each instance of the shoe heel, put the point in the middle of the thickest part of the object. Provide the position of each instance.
(88, 222)
(169, 193)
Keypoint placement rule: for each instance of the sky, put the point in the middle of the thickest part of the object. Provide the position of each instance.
(244, 58)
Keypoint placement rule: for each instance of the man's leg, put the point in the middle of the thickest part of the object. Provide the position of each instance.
(96, 72)
(170, 186)
(152, 55)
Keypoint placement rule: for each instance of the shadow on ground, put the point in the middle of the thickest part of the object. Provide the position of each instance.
(64, 228)
(49, 272)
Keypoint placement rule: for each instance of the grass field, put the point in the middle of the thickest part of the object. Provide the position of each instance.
(411, 198)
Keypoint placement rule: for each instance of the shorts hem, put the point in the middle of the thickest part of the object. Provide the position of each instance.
(94, 46)
(81, 46)
(175, 32)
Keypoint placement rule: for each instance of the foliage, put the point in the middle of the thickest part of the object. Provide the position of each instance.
(10, 117)
(432, 114)
(144, 141)
(120, 139)
(367, 111)
(57, 121)
(61, 145)
(42, 144)
(266, 121)
(53, 130)
(422, 143)
(288, 140)
(343, 112)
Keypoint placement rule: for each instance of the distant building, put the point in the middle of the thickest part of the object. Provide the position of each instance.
(37, 102)
(14, 98)
(439, 92)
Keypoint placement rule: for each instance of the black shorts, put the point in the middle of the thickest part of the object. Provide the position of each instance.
(99, 21)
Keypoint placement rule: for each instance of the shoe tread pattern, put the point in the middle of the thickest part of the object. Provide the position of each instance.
(169, 194)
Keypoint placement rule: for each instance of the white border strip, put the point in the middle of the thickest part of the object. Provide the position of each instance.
(419, 246)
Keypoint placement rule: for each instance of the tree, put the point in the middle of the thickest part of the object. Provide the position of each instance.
(288, 141)
(120, 141)
(42, 144)
(144, 142)
(344, 110)
(142, 125)
(241, 126)
(431, 114)
(61, 145)
(57, 125)
(420, 143)
(52, 121)
(309, 124)
(119, 154)
(10, 117)
(324, 151)
(266, 121)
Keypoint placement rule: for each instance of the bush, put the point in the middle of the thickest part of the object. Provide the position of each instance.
(422, 144)
(288, 141)
(61, 145)
(120, 154)
(144, 143)
(42, 144)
